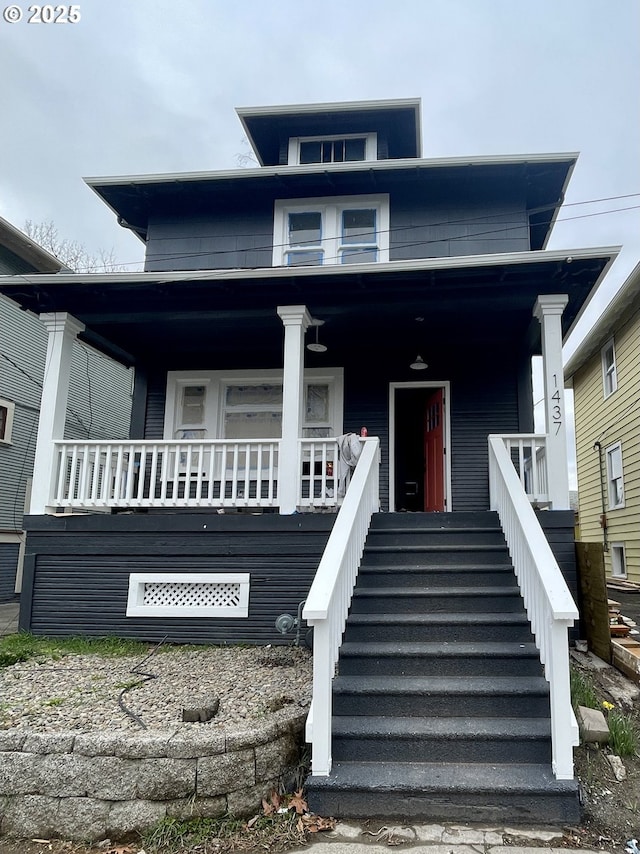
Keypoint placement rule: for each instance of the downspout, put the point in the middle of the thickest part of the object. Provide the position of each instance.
(603, 518)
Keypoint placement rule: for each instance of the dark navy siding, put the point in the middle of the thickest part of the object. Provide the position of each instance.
(77, 571)
(8, 565)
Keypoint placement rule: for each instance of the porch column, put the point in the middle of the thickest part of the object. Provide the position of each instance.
(548, 309)
(295, 319)
(63, 330)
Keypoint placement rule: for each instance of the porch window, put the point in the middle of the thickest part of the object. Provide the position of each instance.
(351, 230)
(191, 418)
(7, 409)
(615, 478)
(255, 411)
(347, 148)
(609, 372)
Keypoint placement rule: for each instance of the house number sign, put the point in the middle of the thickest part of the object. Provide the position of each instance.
(556, 406)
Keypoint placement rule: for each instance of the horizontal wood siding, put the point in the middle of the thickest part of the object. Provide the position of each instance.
(156, 397)
(611, 420)
(80, 571)
(8, 564)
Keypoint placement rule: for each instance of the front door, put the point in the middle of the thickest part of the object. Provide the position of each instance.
(433, 441)
(419, 440)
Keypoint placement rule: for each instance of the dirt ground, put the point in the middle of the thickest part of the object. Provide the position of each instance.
(611, 808)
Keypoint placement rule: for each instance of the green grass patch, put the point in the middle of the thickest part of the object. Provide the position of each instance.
(623, 734)
(21, 647)
(583, 691)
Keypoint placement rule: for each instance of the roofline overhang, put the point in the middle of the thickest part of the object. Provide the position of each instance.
(604, 325)
(357, 166)
(340, 107)
(24, 247)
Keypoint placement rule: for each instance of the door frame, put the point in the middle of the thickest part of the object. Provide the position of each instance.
(428, 384)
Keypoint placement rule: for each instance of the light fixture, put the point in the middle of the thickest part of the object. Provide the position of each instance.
(418, 364)
(316, 346)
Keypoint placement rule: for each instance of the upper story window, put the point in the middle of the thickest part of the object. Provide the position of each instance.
(609, 372)
(332, 149)
(315, 232)
(7, 409)
(615, 479)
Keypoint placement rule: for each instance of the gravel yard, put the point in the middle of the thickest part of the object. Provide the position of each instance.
(81, 692)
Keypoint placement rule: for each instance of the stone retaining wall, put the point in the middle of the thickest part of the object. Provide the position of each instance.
(92, 786)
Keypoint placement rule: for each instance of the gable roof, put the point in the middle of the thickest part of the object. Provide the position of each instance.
(622, 306)
(27, 250)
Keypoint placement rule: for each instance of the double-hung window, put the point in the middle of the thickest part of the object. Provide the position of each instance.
(317, 232)
(7, 409)
(609, 372)
(615, 480)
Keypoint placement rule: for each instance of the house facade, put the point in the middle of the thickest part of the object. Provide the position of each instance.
(333, 417)
(604, 373)
(99, 398)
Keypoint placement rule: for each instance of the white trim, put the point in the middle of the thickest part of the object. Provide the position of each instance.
(609, 371)
(217, 381)
(10, 407)
(445, 385)
(370, 147)
(330, 209)
(138, 581)
(11, 537)
(608, 452)
(615, 562)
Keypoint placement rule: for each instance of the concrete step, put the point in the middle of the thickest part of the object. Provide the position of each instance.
(427, 791)
(469, 696)
(362, 738)
(439, 659)
(456, 575)
(424, 600)
(441, 626)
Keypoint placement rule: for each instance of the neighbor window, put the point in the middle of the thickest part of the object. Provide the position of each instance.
(609, 373)
(316, 232)
(6, 420)
(614, 476)
(618, 560)
(348, 148)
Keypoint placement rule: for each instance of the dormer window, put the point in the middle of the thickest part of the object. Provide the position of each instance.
(348, 148)
(315, 232)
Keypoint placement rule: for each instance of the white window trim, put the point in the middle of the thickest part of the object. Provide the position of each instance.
(620, 548)
(217, 381)
(370, 147)
(8, 429)
(608, 453)
(138, 580)
(611, 371)
(330, 208)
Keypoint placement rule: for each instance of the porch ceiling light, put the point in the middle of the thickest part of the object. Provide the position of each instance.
(418, 364)
(316, 346)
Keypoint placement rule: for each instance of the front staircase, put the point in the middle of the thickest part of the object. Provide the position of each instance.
(440, 707)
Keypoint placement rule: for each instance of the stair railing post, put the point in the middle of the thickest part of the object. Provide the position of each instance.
(562, 735)
(323, 668)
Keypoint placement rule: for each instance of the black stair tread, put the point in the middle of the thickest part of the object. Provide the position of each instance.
(454, 685)
(492, 590)
(373, 726)
(441, 618)
(437, 567)
(421, 529)
(483, 547)
(434, 777)
(439, 648)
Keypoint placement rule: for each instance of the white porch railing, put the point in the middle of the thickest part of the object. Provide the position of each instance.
(327, 605)
(319, 476)
(224, 473)
(550, 606)
(528, 455)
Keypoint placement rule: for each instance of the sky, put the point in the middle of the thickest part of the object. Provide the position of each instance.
(151, 86)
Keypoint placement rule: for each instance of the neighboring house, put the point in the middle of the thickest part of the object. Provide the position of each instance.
(604, 373)
(99, 398)
(346, 283)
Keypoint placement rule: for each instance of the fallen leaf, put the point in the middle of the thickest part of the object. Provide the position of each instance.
(298, 803)
(267, 808)
(252, 821)
(276, 800)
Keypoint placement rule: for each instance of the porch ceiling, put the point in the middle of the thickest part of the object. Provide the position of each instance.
(231, 315)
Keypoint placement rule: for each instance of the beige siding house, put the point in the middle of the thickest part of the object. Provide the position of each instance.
(605, 376)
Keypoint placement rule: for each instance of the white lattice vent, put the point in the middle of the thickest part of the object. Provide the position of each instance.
(188, 595)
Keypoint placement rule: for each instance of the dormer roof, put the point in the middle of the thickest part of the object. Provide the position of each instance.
(270, 128)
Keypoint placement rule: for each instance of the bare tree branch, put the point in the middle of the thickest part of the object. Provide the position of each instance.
(70, 252)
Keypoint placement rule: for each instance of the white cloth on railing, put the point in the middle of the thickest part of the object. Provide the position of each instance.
(349, 450)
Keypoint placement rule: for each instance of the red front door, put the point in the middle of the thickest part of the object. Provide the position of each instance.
(434, 452)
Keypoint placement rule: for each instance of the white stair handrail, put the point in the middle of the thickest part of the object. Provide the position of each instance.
(550, 606)
(327, 605)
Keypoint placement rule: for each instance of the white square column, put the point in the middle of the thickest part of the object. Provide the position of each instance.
(63, 330)
(296, 320)
(548, 309)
